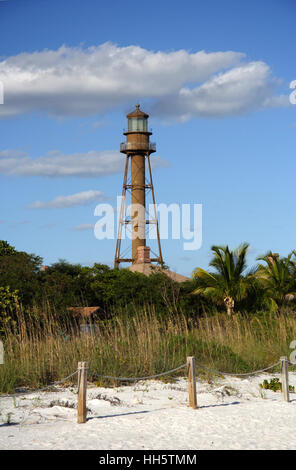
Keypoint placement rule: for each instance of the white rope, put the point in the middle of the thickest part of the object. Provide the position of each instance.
(40, 389)
(132, 379)
(237, 375)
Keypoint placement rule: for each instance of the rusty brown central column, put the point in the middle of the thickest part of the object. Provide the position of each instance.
(138, 203)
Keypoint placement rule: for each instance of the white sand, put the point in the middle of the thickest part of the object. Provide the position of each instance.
(233, 414)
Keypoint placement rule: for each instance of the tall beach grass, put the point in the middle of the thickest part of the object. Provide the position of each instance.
(39, 349)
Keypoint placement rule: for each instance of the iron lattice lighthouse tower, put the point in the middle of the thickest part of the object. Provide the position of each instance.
(137, 149)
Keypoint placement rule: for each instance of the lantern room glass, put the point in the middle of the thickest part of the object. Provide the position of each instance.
(137, 125)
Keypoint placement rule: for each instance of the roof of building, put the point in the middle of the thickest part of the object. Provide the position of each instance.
(137, 113)
(148, 268)
(84, 311)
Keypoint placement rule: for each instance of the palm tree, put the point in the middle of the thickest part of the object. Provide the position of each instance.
(293, 261)
(277, 277)
(228, 283)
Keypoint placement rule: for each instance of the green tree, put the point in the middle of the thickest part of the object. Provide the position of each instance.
(6, 249)
(19, 271)
(8, 303)
(227, 283)
(277, 276)
(65, 285)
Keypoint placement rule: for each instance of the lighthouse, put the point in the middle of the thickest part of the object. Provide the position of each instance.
(138, 182)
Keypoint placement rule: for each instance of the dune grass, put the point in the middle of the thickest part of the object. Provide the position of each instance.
(39, 349)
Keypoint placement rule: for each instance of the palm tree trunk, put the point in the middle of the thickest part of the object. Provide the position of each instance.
(229, 302)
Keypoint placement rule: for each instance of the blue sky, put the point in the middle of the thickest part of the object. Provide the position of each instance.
(214, 77)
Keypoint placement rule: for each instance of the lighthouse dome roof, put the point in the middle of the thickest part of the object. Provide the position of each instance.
(137, 113)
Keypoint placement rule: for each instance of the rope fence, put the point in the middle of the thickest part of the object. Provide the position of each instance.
(135, 379)
(54, 384)
(246, 374)
(191, 364)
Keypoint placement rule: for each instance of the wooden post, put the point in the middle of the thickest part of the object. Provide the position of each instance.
(82, 388)
(285, 378)
(192, 382)
(1, 353)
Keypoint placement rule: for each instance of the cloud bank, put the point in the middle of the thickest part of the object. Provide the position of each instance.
(179, 84)
(78, 199)
(56, 164)
(83, 227)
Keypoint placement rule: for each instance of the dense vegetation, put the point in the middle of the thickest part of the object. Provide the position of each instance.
(63, 285)
(271, 286)
(140, 346)
(230, 318)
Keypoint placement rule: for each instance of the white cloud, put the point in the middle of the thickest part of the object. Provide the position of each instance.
(83, 227)
(78, 199)
(57, 164)
(277, 101)
(79, 82)
(233, 92)
(11, 153)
